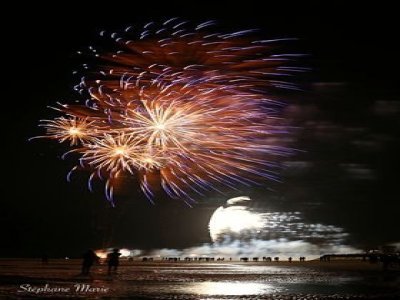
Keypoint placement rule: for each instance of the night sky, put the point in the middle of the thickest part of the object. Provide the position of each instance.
(345, 126)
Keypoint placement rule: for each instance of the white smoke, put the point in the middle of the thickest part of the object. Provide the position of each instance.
(256, 248)
(238, 231)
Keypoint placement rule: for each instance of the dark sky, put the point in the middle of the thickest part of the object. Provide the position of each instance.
(347, 120)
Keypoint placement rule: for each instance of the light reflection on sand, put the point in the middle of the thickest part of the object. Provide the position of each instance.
(229, 288)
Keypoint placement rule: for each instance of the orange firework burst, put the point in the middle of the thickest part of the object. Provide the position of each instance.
(184, 110)
(73, 129)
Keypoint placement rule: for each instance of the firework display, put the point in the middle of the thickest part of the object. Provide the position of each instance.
(181, 108)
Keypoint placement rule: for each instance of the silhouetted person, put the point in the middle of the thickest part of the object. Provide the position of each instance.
(113, 260)
(89, 257)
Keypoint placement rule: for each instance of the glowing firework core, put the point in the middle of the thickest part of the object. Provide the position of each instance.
(74, 131)
(119, 151)
(183, 111)
(160, 126)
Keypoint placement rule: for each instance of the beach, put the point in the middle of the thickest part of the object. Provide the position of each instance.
(61, 278)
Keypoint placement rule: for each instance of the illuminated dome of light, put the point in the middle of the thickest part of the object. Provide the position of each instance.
(239, 221)
(234, 219)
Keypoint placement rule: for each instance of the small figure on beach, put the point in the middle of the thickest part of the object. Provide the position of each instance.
(113, 260)
(89, 257)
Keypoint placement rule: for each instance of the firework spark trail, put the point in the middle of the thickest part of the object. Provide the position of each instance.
(183, 110)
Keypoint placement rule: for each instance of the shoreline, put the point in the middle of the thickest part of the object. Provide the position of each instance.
(344, 279)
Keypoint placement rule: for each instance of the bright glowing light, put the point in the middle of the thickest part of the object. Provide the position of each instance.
(119, 151)
(233, 219)
(183, 110)
(125, 252)
(101, 253)
(74, 131)
(230, 288)
(160, 126)
(236, 200)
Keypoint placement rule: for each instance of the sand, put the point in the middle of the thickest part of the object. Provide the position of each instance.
(29, 278)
